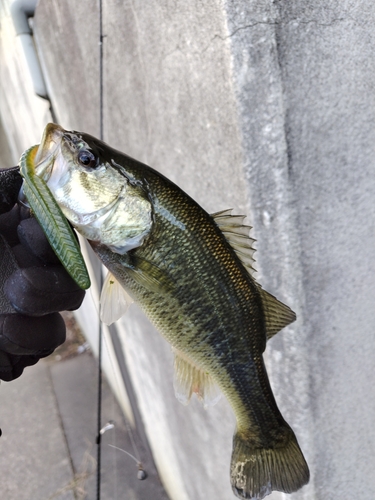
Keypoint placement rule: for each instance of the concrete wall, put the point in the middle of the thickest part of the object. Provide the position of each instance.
(267, 108)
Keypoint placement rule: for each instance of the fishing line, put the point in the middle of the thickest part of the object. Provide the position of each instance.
(142, 474)
(100, 332)
(130, 433)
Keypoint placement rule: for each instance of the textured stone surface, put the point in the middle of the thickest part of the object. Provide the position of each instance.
(266, 107)
(75, 385)
(35, 461)
(303, 86)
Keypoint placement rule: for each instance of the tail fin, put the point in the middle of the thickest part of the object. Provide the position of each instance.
(256, 472)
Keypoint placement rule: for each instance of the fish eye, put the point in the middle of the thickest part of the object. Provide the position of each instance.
(87, 159)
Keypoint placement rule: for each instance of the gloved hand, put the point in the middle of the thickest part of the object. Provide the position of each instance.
(34, 286)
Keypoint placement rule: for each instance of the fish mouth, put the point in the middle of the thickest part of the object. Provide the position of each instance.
(47, 151)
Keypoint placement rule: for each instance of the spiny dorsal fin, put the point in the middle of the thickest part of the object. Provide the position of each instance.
(277, 315)
(114, 300)
(237, 235)
(189, 379)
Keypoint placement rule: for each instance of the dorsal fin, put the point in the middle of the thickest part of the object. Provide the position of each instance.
(276, 314)
(189, 379)
(237, 235)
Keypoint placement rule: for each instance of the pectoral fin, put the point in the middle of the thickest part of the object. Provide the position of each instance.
(114, 300)
(189, 379)
(150, 276)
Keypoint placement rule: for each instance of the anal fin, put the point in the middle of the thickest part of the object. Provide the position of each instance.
(189, 379)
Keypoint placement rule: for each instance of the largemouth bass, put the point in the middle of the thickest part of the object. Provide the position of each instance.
(191, 274)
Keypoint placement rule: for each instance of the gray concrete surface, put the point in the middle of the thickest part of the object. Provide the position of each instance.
(75, 384)
(268, 108)
(35, 460)
(49, 423)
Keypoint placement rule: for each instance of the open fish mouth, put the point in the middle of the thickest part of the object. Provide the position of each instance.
(48, 149)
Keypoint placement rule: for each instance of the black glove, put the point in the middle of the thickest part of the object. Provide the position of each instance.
(34, 286)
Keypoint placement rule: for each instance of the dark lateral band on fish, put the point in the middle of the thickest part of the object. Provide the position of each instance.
(191, 272)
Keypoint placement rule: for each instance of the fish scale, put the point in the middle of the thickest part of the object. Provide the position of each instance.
(200, 271)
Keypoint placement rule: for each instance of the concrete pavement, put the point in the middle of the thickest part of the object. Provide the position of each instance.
(47, 450)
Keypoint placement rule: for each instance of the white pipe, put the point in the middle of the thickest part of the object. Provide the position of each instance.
(21, 10)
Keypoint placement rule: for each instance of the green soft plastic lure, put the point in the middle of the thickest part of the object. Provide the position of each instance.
(53, 222)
